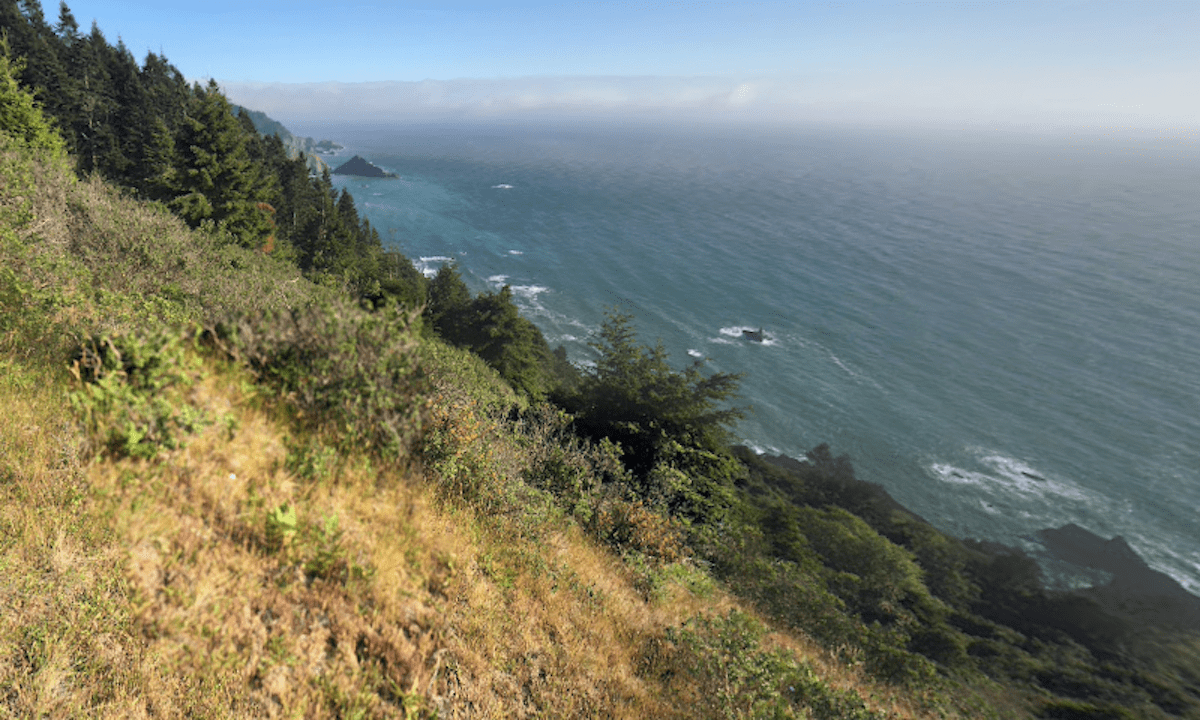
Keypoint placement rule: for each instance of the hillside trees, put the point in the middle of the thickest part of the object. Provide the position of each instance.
(490, 325)
(671, 425)
(217, 180)
(145, 129)
(21, 119)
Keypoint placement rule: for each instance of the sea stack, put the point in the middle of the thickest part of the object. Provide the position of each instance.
(360, 167)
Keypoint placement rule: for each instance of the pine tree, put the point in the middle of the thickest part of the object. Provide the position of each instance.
(67, 28)
(21, 120)
(218, 181)
(158, 175)
(634, 396)
(90, 122)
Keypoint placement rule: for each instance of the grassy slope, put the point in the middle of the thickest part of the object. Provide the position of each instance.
(163, 587)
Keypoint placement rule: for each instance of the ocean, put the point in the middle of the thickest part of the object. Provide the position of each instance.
(1002, 329)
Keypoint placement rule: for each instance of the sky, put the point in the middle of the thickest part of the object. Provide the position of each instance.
(1094, 63)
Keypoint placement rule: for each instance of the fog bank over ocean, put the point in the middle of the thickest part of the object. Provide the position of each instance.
(1050, 100)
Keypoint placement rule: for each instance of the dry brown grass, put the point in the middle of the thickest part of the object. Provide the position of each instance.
(65, 629)
(138, 588)
(149, 588)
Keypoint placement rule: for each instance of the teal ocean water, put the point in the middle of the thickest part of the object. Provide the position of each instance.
(1003, 331)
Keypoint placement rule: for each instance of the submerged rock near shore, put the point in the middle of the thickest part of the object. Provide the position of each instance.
(360, 167)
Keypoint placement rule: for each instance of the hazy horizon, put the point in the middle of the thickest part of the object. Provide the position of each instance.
(876, 101)
(1039, 64)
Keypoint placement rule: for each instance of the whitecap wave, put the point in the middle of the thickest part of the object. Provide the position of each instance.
(1027, 481)
(1008, 482)
(837, 361)
(430, 264)
(1168, 555)
(515, 252)
(502, 186)
(695, 353)
(528, 292)
(767, 450)
(497, 279)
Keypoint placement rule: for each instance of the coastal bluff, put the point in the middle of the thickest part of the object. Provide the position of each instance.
(359, 167)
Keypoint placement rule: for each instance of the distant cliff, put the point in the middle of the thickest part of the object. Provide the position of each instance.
(295, 145)
(361, 168)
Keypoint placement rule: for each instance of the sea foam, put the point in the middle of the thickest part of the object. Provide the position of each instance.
(429, 264)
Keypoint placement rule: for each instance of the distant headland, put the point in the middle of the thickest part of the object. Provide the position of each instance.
(360, 167)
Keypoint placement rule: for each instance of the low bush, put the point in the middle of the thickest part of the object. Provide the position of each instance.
(351, 372)
(130, 395)
(719, 667)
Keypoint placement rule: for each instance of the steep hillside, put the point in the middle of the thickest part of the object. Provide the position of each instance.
(248, 478)
(205, 519)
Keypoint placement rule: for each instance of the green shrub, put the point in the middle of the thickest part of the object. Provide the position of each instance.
(21, 120)
(351, 372)
(729, 674)
(316, 548)
(130, 392)
(279, 527)
(310, 460)
(569, 467)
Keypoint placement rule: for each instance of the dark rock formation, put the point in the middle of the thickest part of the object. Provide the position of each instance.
(360, 167)
(1136, 590)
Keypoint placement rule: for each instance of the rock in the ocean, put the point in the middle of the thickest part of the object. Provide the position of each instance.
(360, 167)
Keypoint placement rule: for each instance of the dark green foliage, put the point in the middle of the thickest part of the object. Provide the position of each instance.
(350, 372)
(490, 326)
(670, 424)
(217, 181)
(943, 559)
(822, 596)
(1071, 710)
(448, 300)
(398, 280)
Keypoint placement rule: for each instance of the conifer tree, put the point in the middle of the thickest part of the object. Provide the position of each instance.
(669, 424)
(44, 71)
(448, 300)
(218, 181)
(67, 28)
(158, 176)
(21, 120)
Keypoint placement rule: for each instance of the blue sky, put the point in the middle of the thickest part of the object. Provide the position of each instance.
(1094, 60)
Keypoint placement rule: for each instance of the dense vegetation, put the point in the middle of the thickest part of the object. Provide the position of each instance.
(367, 494)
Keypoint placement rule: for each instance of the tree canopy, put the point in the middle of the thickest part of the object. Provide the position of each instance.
(672, 425)
(21, 118)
